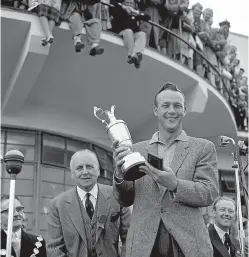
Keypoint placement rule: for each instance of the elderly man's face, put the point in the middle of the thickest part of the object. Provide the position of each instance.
(224, 214)
(197, 12)
(129, 3)
(17, 215)
(85, 170)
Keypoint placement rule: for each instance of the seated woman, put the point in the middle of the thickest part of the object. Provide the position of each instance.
(48, 12)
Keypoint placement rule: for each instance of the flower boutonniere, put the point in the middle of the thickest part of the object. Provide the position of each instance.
(238, 253)
(102, 220)
(38, 244)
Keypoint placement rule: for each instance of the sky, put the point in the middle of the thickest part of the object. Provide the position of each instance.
(236, 12)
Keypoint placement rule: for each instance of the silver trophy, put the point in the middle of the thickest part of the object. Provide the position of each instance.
(117, 130)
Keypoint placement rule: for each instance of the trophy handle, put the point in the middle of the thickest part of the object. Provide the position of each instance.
(95, 110)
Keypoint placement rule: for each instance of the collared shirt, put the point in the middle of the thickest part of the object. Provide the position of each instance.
(93, 195)
(221, 233)
(16, 241)
(167, 151)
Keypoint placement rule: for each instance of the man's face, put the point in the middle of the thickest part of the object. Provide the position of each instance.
(85, 170)
(129, 3)
(224, 214)
(224, 29)
(241, 72)
(197, 12)
(17, 215)
(170, 110)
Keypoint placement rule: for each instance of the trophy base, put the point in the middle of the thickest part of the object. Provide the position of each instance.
(131, 166)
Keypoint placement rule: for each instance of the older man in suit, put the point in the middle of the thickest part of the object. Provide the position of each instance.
(166, 218)
(23, 243)
(224, 245)
(86, 220)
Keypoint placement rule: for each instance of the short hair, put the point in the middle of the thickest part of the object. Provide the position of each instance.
(82, 151)
(242, 69)
(225, 23)
(220, 198)
(169, 86)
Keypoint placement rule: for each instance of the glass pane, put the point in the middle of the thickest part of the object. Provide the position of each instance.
(53, 150)
(2, 136)
(101, 153)
(23, 187)
(69, 180)
(45, 203)
(2, 151)
(27, 172)
(52, 174)
(27, 151)
(51, 190)
(28, 203)
(20, 137)
(53, 141)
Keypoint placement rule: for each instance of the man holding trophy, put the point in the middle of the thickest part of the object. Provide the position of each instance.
(167, 193)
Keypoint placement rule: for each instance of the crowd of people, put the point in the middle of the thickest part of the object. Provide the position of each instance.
(130, 19)
(165, 220)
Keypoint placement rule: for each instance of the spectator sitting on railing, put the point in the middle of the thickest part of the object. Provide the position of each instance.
(79, 13)
(48, 12)
(152, 8)
(126, 23)
(19, 4)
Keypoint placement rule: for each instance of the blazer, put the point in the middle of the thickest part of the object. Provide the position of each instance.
(195, 166)
(66, 233)
(27, 245)
(218, 246)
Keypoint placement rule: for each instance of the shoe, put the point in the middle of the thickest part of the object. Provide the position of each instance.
(129, 60)
(79, 45)
(50, 40)
(44, 42)
(96, 51)
(137, 58)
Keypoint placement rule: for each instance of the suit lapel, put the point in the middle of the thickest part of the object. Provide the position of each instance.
(103, 207)
(180, 154)
(4, 243)
(181, 151)
(217, 243)
(26, 245)
(76, 215)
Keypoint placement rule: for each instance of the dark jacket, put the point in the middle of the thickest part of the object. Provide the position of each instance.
(28, 242)
(122, 20)
(218, 246)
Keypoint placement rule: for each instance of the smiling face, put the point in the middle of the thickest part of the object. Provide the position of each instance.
(224, 214)
(17, 215)
(85, 169)
(170, 110)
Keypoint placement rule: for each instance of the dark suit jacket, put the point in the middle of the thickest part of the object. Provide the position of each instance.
(195, 166)
(66, 232)
(27, 245)
(218, 246)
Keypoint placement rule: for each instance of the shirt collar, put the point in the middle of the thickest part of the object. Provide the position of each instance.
(93, 192)
(220, 232)
(155, 138)
(18, 233)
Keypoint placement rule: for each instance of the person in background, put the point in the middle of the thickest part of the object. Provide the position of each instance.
(224, 244)
(82, 13)
(23, 243)
(126, 22)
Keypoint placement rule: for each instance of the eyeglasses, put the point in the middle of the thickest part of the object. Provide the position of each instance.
(18, 209)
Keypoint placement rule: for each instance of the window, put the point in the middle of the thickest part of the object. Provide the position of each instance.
(53, 150)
